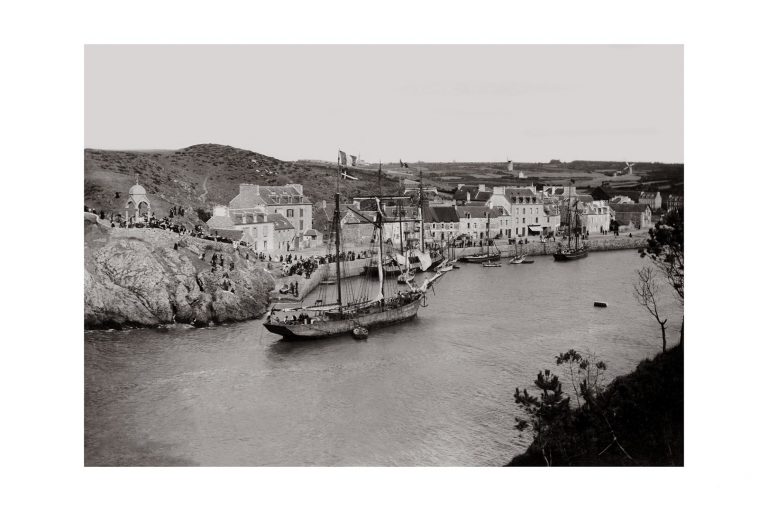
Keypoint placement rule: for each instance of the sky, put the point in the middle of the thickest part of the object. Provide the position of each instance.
(527, 103)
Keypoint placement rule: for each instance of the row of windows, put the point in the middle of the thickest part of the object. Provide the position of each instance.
(289, 212)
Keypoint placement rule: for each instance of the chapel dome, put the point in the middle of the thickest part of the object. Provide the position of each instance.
(137, 190)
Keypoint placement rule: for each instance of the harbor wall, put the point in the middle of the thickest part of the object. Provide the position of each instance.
(540, 248)
(351, 269)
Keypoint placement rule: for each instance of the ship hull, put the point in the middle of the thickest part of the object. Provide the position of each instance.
(328, 328)
(568, 256)
(482, 258)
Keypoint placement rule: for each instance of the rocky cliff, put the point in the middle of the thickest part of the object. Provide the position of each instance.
(135, 277)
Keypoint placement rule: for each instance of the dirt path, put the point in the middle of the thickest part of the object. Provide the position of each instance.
(205, 189)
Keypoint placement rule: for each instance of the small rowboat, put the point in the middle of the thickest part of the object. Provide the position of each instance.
(360, 333)
(489, 264)
(599, 304)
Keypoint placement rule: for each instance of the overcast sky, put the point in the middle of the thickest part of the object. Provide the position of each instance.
(430, 103)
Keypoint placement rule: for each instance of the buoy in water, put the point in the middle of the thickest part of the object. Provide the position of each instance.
(600, 304)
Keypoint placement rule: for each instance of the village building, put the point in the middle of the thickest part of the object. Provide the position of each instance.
(441, 223)
(521, 210)
(634, 216)
(288, 201)
(255, 229)
(652, 199)
(595, 217)
(674, 202)
(621, 200)
(473, 222)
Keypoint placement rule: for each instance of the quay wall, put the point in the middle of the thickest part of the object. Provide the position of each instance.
(352, 269)
(540, 248)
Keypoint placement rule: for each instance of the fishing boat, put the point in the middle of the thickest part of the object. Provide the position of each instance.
(517, 260)
(489, 264)
(349, 312)
(572, 252)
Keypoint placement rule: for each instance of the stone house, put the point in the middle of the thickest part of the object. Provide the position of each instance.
(473, 221)
(652, 199)
(441, 223)
(288, 201)
(637, 216)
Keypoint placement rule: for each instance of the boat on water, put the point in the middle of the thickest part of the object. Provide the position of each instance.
(347, 313)
(517, 260)
(490, 264)
(572, 252)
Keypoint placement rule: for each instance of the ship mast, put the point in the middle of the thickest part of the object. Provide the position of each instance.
(337, 228)
(421, 213)
(379, 226)
(568, 215)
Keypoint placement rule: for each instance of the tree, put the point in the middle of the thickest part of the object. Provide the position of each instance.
(646, 292)
(665, 250)
(550, 415)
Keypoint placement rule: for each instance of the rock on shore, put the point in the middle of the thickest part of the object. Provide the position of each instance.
(134, 277)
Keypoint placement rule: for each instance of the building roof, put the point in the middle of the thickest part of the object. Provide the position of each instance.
(630, 208)
(648, 195)
(476, 212)
(475, 194)
(258, 195)
(220, 222)
(279, 221)
(311, 232)
(440, 214)
(233, 234)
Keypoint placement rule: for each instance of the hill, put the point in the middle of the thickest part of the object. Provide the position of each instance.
(201, 176)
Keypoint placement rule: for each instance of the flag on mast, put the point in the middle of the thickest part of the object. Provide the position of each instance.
(342, 158)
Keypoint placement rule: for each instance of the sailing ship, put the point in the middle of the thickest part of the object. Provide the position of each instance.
(350, 314)
(572, 253)
(418, 259)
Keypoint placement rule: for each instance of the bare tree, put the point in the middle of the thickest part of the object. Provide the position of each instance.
(646, 292)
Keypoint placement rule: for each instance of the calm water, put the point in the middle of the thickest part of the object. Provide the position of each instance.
(436, 391)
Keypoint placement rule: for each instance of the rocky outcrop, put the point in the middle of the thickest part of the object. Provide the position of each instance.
(135, 277)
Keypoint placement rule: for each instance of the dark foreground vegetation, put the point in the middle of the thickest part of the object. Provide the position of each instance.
(637, 420)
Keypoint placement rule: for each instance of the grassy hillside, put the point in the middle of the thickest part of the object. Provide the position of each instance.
(203, 175)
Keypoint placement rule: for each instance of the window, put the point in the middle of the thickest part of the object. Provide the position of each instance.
(301, 212)
(467, 225)
(289, 212)
(442, 225)
(301, 225)
(523, 220)
(537, 220)
(475, 225)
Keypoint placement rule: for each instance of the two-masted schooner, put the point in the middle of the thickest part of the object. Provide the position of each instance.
(352, 310)
(572, 253)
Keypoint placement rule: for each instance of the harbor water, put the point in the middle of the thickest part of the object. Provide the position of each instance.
(437, 391)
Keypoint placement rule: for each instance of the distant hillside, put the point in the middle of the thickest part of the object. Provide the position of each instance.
(203, 175)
